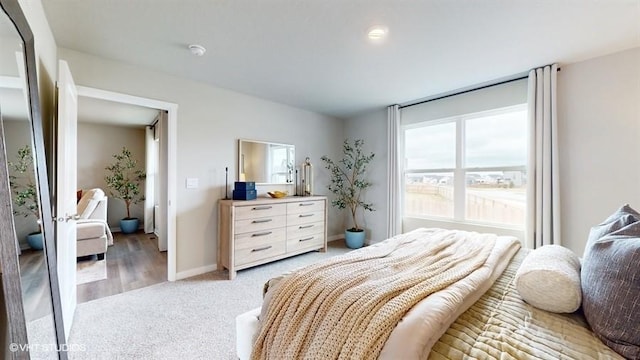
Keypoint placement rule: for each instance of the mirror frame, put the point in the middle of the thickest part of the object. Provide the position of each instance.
(240, 161)
(9, 256)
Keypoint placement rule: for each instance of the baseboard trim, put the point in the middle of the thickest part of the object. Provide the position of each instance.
(197, 271)
(116, 229)
(335, 237)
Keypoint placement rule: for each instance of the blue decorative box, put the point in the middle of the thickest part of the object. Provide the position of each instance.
(245, 194)
(245, 185)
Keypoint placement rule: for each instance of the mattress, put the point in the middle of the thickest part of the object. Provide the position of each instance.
(500, 325)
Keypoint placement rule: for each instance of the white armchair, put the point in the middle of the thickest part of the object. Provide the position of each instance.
(93, 234)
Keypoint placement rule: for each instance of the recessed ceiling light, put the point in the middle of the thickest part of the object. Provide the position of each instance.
(197, 50)
(377, 33)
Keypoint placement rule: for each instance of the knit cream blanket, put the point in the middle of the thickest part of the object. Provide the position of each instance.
(347, 306)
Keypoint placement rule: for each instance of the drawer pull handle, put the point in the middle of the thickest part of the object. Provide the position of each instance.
(305, 227)
(262, 234)
(262, 248)
(306, 239)
(261, 221)
(305, 215)
(262, 208)
(306, 204)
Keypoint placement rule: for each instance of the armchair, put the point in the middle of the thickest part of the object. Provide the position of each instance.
(93, 233)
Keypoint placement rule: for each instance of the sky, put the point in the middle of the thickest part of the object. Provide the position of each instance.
(490, 141)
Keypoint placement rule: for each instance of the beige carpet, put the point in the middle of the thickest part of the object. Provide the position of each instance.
(186, 319)
(90, 270)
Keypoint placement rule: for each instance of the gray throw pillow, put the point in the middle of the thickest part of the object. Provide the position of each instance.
(611, 289)
(625, 209)
(609, 226)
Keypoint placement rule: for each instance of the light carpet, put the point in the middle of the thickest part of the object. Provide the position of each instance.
(187, 319)
(42, 337)
(90, 270)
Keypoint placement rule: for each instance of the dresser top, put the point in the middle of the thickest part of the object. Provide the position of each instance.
(268, 200)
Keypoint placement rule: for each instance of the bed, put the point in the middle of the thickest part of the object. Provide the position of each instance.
(472, 311)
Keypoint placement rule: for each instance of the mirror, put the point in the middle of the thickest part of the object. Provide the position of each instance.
(265, 162)
(36, 319)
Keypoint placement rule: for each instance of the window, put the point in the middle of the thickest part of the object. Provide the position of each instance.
(469, 168)
(281, 163)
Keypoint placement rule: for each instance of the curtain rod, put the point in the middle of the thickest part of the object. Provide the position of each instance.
(461, 91)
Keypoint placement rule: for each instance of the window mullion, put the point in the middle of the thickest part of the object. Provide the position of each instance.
(459, 174)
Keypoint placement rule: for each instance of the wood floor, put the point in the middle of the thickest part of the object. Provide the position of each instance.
(133, 262)
(36, 296)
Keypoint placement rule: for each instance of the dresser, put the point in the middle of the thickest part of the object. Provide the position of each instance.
(259, 231)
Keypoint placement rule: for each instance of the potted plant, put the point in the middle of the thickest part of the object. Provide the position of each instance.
(347, 184)
(25, 193)
(124, 181)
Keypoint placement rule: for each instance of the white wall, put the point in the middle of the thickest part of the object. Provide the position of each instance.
(210, 121)
(97, 143)
(599, 141)
(47, 63)
(45, 44)
(372, 128)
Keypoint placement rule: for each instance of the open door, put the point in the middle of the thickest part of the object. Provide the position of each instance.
(66, 182)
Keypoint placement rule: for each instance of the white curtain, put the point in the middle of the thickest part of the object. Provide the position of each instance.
(394, 218)
(149, 186)
(543, 192)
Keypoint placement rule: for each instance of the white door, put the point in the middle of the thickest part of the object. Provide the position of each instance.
(66, 180)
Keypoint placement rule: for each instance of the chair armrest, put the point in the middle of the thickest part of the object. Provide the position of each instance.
(83, 223)
(100, 212)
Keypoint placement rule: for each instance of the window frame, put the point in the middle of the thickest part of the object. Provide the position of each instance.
(460, 171)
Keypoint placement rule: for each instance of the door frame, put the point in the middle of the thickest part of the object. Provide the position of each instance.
(172, 151)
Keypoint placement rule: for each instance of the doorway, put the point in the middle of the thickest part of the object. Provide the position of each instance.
(167, 215)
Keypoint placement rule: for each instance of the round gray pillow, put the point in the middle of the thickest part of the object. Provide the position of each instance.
(549, 279)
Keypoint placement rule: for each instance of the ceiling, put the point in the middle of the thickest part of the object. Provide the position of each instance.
(314, 54)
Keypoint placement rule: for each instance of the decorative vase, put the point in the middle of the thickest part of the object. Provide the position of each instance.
(307, 178)
(35, 241)
(129, 225)
(354, 239)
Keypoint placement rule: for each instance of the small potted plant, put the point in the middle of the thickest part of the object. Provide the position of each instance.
(124, 180)
(25, 193)
(347, 184)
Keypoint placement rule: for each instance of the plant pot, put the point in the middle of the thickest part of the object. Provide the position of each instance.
(129, 225)
(35, 241)
(354, 239)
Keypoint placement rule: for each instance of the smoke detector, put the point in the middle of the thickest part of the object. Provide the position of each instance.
(197, 50)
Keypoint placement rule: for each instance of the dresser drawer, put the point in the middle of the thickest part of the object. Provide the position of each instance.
(259, 211)
(305, 242)
(305, 218)
(260, 245)
(259, 224)
(305, 206)
(294, 231)
(246, 256)
(259, 238)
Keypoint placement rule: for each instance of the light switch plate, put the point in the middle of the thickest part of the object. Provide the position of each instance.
(192, 183)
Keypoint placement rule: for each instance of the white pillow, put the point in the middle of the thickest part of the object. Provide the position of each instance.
(549, 279)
